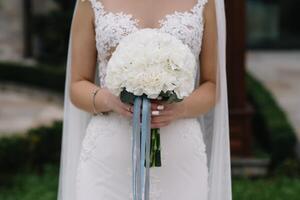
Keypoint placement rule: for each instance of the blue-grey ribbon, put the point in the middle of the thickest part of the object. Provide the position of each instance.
(136, 147)
(146, 146)
(141, 149)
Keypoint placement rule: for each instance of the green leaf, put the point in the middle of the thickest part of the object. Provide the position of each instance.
(127, 97)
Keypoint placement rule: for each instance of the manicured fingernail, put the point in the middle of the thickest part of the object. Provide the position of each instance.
(155, 112)
(160, 107)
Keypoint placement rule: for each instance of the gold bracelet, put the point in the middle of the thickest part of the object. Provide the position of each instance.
(96, 90)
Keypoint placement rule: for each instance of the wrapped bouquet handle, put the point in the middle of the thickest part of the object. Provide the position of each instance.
(141, 148)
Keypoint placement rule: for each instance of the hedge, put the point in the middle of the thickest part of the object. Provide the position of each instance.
(38, 76)
(271, 126)
(40, 146)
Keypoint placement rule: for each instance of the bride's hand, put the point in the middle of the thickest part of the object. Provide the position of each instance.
(113, 103)
(165, 113)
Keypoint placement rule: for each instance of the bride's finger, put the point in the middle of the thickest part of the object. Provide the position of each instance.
(127, 107)
(160, 119)
(154, 106)
(159, 125)
(166, 106)
(155, 113)
(126, 113)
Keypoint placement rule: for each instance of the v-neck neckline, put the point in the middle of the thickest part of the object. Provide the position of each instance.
(161, 21)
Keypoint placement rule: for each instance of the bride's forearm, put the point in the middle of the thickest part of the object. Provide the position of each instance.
(81, 96)
(200, 101)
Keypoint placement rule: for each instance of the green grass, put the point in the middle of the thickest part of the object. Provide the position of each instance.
(278, 188)
(30, 186)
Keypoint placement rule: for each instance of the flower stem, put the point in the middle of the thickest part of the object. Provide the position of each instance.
(155, 154)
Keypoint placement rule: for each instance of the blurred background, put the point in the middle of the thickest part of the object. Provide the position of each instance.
(263, 66)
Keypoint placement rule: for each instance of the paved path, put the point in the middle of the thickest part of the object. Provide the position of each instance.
(280, 73)
(22, 108)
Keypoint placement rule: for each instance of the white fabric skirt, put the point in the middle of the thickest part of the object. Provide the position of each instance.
(104, 170)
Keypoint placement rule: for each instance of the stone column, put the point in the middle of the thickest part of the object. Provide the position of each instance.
(11, 30)
(240, 110)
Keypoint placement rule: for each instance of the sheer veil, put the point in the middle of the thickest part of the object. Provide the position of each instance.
(74, 124)
(214, 127)
(215, 124)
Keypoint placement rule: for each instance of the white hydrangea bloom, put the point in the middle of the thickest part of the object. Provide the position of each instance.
(148, 61)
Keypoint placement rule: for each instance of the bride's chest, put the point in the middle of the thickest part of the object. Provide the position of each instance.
(111, 27)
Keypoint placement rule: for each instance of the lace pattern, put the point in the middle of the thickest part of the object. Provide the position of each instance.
(112, 27)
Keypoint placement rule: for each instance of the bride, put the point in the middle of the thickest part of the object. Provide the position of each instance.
(96, 157)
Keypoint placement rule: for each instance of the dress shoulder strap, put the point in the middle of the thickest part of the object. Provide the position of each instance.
(198, 8)
(202, 2)
(96, 5)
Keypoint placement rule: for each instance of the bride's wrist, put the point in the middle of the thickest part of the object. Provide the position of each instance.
(102, 101)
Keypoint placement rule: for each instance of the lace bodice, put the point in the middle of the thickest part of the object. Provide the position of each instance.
(111, 27)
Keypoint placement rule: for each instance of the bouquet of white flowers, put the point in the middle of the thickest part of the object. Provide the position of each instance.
(152, 64)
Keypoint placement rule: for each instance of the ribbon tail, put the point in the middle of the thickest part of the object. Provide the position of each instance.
(136, 149)
(146, 137)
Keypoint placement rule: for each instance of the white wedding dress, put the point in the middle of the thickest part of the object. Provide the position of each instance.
(104, 169)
